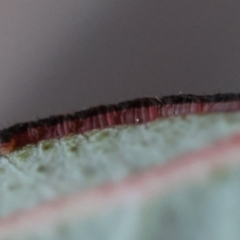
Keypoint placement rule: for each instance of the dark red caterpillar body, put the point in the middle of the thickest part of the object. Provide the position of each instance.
(130, 112)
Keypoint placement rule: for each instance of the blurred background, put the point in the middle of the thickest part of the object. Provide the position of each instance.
(59, 56)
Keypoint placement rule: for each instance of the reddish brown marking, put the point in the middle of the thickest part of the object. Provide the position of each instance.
(131, 112)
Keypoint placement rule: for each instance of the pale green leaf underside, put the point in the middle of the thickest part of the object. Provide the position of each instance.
(59, 167)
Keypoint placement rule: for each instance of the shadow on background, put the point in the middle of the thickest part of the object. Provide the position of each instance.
(58, 56)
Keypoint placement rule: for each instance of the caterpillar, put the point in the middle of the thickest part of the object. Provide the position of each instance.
(136, 111)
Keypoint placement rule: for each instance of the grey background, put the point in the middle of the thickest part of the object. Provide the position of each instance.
(57, 56)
